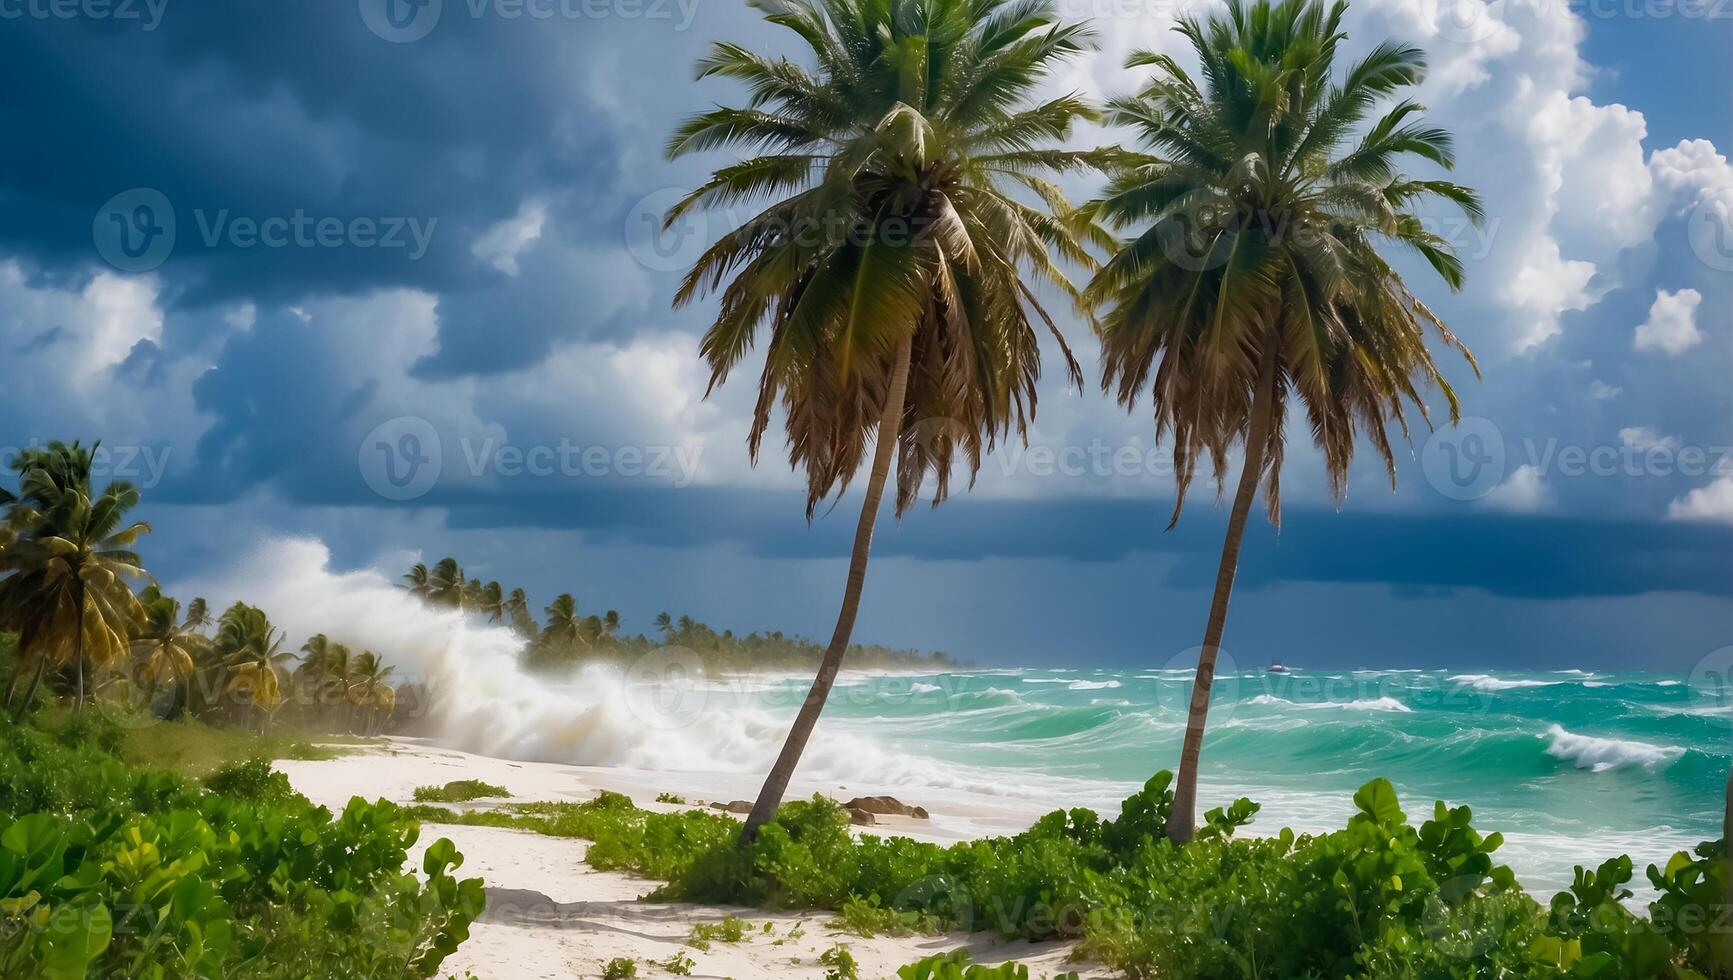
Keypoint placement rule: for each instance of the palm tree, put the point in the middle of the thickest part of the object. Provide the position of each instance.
(517, 610)
(253, 656)
(65, 566)
(166, 641)
(1255, 273)
(489, 599)
(330, 668)
(894, 267)
(371, 691)
(565, 626)
(445, 584)
(418, 581)
(665, 625)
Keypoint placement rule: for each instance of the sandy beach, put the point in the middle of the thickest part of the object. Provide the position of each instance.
(551, 915)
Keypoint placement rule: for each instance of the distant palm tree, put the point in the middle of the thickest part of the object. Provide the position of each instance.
(65, 566)
(166, 641)
(611, 622)
(371, 691)
(894, 267)
(418, 580)
(1255, 274)
(664, 625)
(489, 600)
(517, 609)
(330, 669)
(564, 625)
(446, 584)
(253, 657)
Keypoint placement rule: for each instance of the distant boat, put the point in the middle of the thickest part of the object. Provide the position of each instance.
(1276, 669)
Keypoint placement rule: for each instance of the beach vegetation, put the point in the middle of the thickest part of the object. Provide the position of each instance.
(112, 869)
(620, 968)
(1380, 897)
(955, 965)
(1259, 208)
(679, 964)
(458, 791)
(839, 963)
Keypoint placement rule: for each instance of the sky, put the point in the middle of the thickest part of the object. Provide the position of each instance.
(389, 276)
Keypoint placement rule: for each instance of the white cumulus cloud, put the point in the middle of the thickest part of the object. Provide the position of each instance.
(1672, 322)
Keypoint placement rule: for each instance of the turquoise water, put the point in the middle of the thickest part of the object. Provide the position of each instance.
(1571, 766)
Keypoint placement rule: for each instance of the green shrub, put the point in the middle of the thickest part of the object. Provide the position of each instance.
(620, 968)
(251, 780)
(458, 791)
(679, 964)
(673, 798)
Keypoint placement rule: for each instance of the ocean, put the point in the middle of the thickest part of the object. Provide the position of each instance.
(1572, 766)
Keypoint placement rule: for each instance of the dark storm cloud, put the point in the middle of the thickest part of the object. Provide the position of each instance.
(250, 111)
(1418, 554)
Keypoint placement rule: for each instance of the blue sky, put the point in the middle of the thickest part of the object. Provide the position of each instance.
(441, 233)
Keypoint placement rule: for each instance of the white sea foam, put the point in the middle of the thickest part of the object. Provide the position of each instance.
(1091, 685)
(1363, 704)
(1487, 682)
(1601, 754)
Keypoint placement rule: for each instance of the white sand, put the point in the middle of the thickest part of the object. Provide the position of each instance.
(549, 914)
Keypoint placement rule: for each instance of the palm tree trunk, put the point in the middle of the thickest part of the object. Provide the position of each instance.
(1182, 821)
(30, 692)
(1727, 848)
(78, 651)
(884, 451)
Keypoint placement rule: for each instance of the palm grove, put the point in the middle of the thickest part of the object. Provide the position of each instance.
(82, 618)
(912, 221)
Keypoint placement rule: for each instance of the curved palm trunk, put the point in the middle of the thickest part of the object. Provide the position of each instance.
(884, 451)
(30, 692)
(1182, 822)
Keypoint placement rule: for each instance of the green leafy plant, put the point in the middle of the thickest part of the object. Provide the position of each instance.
(620, 968)
(679, 964)
(839, 963)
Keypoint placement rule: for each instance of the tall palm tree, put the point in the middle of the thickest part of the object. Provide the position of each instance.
(894, 268)
(1255, 275)
(66, 565)
(664, 625)
(254, 659)
(166, 641)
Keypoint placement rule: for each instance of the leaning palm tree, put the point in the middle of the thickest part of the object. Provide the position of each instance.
(894, 268)
(64, 571)
(1255, 272)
